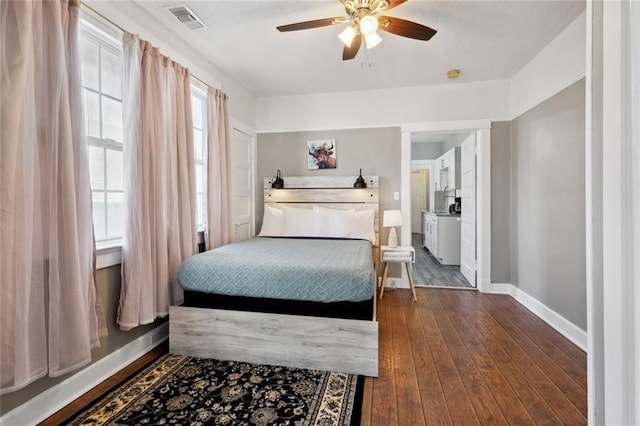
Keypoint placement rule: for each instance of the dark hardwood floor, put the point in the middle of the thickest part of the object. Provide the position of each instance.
(456, 357)
(464, 358)
(427, 271)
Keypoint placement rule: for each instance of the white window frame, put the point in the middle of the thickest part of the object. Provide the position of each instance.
(110, 250)
(202, 96)
(107, 37)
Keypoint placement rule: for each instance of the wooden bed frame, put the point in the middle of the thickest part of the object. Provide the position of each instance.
(331, 344)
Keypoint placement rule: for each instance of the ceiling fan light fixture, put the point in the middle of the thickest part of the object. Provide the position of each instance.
(364, 19)
(368, 25)
(347, 35)
(372, 40)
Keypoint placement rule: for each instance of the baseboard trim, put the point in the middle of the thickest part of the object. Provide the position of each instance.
(496, 288)
(397, 283)
(548, 315)
(53, 399)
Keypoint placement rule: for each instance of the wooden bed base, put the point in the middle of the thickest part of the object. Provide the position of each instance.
(331, 344)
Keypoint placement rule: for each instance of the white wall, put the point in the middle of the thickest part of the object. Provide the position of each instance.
(388, 107)
(560, 64)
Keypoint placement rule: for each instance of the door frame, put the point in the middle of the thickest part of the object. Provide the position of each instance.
(482, 129)
(237, 125)
(612, 212)
(469, 144)
(423, 175)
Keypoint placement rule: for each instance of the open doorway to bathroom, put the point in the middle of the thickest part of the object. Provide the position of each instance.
(440, 179)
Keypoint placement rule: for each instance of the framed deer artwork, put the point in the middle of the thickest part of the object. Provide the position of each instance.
(321, 154)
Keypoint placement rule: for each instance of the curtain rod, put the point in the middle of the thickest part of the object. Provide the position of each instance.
(95, 12)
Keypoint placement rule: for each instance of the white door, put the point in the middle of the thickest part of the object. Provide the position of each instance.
(241, 185)
(418, 199)
(468, 226)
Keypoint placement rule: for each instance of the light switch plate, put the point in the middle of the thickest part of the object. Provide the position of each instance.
(396, 196)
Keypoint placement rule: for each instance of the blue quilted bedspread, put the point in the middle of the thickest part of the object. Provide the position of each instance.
(318, 270)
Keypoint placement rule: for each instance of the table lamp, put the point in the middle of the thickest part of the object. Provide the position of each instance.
(392, 218)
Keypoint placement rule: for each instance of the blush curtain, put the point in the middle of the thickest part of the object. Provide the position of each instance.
(51, 313)
(160, 222)
(218, 202)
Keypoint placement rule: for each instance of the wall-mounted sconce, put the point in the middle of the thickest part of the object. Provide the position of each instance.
(360, 183)
(277, 183)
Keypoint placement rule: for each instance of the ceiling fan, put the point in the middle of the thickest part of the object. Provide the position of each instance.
(363, 21)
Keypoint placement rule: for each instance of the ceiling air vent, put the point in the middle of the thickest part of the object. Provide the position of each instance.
(186, 16)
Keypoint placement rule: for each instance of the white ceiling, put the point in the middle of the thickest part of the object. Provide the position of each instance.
(486, 40)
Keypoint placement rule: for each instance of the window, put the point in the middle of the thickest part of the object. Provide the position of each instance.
(102, 101)
(199, 113)
(101, 55)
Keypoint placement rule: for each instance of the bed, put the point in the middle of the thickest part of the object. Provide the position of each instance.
(306, 299)
(263, 274)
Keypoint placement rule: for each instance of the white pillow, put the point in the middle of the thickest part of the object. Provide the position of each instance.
(272, 222)
(355, 225)
(297, 222)
(323, 221)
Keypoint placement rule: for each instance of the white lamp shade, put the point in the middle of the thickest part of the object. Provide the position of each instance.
(368, 25)
(392, 218)
(372, 40)
(347, 36)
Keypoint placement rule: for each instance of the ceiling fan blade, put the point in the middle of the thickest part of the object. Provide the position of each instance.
(309, 24)
(394, 3)
(405, 28)
(351, 52)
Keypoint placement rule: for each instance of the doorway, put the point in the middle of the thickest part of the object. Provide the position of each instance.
(419, 197)
(241, 180)
(442, 234)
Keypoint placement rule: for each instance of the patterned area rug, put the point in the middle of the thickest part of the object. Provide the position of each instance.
(185, 390)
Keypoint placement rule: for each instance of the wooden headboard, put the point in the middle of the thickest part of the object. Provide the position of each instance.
(336, 192)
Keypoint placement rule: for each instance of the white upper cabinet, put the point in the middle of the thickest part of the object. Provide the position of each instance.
(443, 161)
(448, 169)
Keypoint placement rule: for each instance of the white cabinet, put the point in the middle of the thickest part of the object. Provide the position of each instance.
(451, 172)
(447, 173)
(431, 232)
(426, 231)
(454, 169)
(448, 242)
(442, 237)
(436, 179)
(443, 161)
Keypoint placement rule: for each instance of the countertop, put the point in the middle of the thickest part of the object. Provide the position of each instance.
(441, 214)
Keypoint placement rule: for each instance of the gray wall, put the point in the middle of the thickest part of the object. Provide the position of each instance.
(426, 150)
(376, 151)
(109, 287)
(500, 202)
(548, 202)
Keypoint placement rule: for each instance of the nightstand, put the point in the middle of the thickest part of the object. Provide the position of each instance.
(400, 254)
